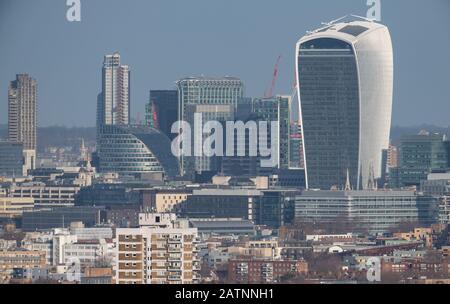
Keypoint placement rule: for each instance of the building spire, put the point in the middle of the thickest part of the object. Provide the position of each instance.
(371, 184)
(347, 182)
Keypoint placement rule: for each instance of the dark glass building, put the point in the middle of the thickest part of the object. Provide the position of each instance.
(420, 155)
(11, 158)
(62, 217)
(162, 111)
(345, 77)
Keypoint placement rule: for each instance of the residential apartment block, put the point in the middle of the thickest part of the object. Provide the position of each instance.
(156, 255)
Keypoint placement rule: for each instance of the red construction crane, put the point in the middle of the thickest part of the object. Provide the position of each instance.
(155, 116)
(269, 93)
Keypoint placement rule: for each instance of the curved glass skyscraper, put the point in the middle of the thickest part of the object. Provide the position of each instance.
(345, 77)
(136, 151)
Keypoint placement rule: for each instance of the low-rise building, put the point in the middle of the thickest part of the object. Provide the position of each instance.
(13, 207)
(50, 218)
(19, 259)
(11, 159)
(45, 196)
(254, 271)
(418, 234)
(95, 275)
(366, 211)
(88, 252)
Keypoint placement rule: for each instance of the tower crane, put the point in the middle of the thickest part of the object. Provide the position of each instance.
(269, 93)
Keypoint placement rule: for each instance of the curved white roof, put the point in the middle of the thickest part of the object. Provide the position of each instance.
(347, 31)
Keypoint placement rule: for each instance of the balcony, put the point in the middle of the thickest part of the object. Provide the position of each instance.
(174, 241)
(174, 249)
(174, 277)
(174, 258)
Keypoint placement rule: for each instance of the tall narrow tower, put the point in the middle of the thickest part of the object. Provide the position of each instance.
(113, 104)
(345, 76)
(22, 97)
(22, 106)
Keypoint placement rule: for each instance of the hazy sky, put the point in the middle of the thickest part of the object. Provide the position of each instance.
(164, 40)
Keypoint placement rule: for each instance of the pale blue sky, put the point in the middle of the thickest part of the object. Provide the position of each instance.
(163, 40)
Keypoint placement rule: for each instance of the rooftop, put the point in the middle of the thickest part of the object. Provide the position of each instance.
(351, 30)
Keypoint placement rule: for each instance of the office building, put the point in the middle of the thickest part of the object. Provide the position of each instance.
(138, 151)
(19, 259)
(206, 91)
(88, 252)
(253, 112)
(89, 245)
(276, 109)
(367, 211)
(436, 184)
(113, 103)
(11, 159)
(161, 112)
(107, 195)
(222, 226)
(162, 200)
(45, 196)
(287, 178)
(62, 217)
(273, 208)
(242, 163)
(93, 233)
(345, 76)
(13, 207)
(296, 146)
(444, 210)
(29, 275)
(204, 163)
(220, 203)
(420, 155)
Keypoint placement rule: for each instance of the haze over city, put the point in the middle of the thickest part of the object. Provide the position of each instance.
(163, 41)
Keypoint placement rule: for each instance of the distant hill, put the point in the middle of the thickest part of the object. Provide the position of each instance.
(59, 136)
(64, 136)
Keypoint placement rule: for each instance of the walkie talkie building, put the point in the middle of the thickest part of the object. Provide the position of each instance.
(345, 77)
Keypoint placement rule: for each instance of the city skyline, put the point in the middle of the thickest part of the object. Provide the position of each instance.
(211, 163)
(233, 44)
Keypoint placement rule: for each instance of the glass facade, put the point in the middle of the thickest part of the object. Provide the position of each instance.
(372, 211)
(206, 91)
(330, 111)
(136, 151)
(419, 155)
(11, 159)
(345, 85)
(276, 109)
(162, 111)
(220, 113)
